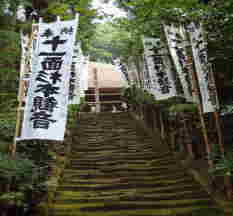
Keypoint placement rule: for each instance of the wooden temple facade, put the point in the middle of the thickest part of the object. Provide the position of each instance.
(105, 86)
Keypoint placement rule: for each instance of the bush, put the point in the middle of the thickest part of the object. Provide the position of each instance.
(7, 129)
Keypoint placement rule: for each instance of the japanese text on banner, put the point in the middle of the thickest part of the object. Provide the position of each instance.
(46, 106)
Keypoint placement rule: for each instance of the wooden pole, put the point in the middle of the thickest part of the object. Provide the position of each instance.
(162, 125)
(188, 137)
(97, 96)
(219, 132)
(20, 108)
(227, 180)
(200, 111)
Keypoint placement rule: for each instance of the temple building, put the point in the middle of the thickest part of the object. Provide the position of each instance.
(105, 86)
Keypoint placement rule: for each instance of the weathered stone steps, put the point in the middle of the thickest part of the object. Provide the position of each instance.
(117, 170)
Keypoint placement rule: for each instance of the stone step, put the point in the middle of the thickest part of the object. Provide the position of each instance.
(78, 165)
(138, 206)
(117, 170)
(141, 176)
(133, 198)
(99, 148)
(121, 157)
(131, 210)
(126, 186)
(108, 181)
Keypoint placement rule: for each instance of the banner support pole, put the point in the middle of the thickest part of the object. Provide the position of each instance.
(200, 111)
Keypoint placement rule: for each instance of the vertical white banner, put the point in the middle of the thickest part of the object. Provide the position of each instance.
(80, 62)
(204, 72)
(86, 73)
(162, 80)
(73, 93)
(28, 53)
(46, 106)
(147, 80)
(132, 71)
(23, 66)
(177, 45)
(119, 67)
(24, 52)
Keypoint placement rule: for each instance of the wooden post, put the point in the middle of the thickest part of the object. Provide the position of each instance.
(227, 180)
(200, 111)
(219, 132)
(162, 125)
(97, 97)
(188, 138)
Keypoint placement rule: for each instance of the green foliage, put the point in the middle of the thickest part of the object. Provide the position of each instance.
(109, 42)
(136, 96)
(73, 109)
(15, 198)
(183, 108)
(208, 212)
(7, 126)
(19, 168)
(66, 10)
(223, 165)
(9, 59)
(227, 109)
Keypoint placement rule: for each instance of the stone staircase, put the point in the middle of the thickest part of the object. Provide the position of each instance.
(117, 170)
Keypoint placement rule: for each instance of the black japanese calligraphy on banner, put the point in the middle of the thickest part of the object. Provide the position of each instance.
(204, 72)
(160, 71)
(81, 76)
(46, 106)
(72, 81)
(74, 75)
(177, 45)
(85, 72)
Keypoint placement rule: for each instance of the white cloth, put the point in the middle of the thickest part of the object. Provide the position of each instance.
(204, 72)
(159, 66)
(47, 100)
(177, 45)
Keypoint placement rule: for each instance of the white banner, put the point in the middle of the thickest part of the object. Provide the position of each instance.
(74, 97)
(84, 75)
(162, 80)
(146, 76)
(80, 75)
(119, 67)
(28, 53)
(86, 72)
(24, 52)
(46, 106)
(23, 66)
(133, 71)
(177, 45)
(204, 72)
